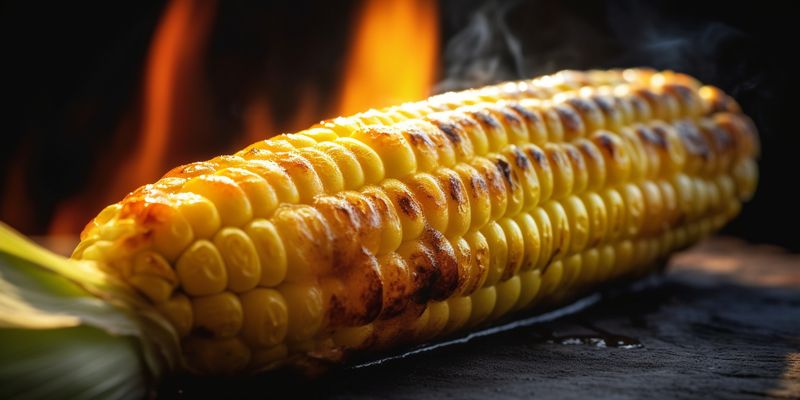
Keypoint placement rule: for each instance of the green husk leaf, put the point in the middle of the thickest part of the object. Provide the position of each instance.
(69, 330)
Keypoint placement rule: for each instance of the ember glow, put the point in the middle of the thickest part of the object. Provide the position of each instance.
(392, 56)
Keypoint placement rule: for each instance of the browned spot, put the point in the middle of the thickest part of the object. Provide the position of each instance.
(418, 137)
(590, 151)
(649, 136)
(582, 106)
(504, 169)
(692, 139)
(409, 206)
(396, 289)
(520, 159)
(605, 104)
(486, 119)
(538, 156)
(510, 117)
(526, 114)
(478, 186)
(575, 156)
(450, 131)
(606, 143)
(570, 120)
(455, 189)
(445, 262)
(684, 94)
(359, 298)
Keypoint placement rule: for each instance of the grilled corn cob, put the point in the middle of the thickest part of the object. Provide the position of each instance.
(402, 225)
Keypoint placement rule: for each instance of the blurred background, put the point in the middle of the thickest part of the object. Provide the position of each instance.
(102, 98)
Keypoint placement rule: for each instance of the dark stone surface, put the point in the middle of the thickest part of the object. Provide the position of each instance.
(724, 322)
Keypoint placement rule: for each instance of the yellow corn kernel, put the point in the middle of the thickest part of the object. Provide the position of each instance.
(306, 229)
(615, 156)
(579, 223)
(219, 314)
(460, 309)
(178, 311)
(266, 318)
(594, 162)
(201, 269)
(346, 163)
(437, 320)
(370, 161)
(573, 268)
(530, 282)
(327, 169)
(271, 253)
(152, 275)
(551, 279)
(561, 232)
(516, 247)
(409, 210)
(546, 236)
(240, 257)
(483, 301)
(279, 179)
(498, 252)
(498, 194)
(507, 293)
(261, 196)
(634, 208)
(580, 171)
(305, 307)
(590, 263)
(200, 213)
(392, 148)
(605, 265)
(563, 176)
(391, 225)
(544, 172)
(428, 192)
(477, 192)
(480, 259)
(531, 240)
(458, 205)
(353, 337)
(230, 200)
(307, 181)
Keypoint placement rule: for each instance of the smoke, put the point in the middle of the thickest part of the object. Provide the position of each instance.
(503, 40)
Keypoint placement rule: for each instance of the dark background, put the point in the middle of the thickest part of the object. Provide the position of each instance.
(71, 72)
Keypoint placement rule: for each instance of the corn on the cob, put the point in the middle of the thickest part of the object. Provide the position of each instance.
(417, 221)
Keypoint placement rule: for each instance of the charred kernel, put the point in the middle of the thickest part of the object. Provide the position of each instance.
(409, 210)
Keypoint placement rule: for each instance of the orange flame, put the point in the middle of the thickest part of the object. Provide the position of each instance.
(169, 111)
(392, 58)
(172, 78)
(394, 55)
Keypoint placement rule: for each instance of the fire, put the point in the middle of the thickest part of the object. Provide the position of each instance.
(394, 55)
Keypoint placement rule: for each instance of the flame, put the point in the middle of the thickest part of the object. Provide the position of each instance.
(394, 55)
(392, 58)
(171, 78)
(169, 111)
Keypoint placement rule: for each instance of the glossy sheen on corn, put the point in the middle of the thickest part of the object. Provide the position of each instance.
(413, 222)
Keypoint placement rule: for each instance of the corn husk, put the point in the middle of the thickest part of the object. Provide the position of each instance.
(70, 331)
